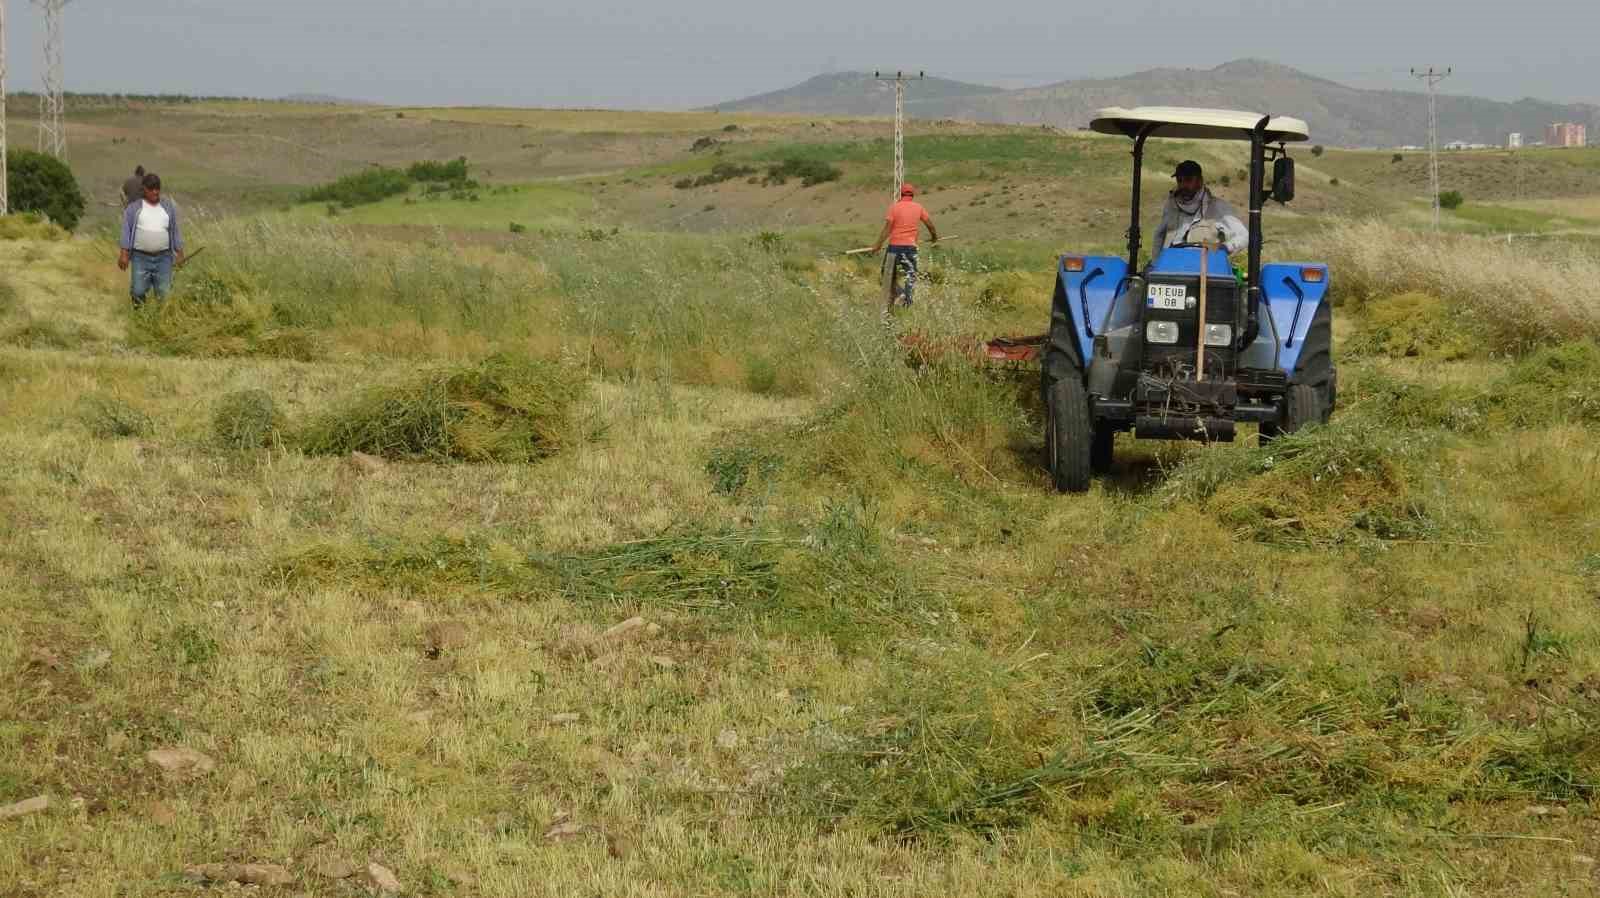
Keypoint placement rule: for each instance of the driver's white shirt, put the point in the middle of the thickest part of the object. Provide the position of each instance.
(1175, 223)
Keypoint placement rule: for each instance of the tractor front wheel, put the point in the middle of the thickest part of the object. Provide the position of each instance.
(1302, 406)
(1069, 435)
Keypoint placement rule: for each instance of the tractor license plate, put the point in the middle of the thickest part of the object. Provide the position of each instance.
(1171, 297)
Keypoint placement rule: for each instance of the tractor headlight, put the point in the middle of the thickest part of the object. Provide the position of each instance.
(1161, 332)
(1219, 334)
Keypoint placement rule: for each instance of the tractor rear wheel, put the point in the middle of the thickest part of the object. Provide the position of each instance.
(1069, 435)
(1302, 406)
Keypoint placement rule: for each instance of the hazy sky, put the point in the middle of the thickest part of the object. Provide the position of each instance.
(696, 52)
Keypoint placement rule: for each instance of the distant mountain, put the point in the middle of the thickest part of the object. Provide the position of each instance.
(857, 94)
(1339, 115)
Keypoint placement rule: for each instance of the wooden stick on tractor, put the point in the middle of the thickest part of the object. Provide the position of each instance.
(1200, 340)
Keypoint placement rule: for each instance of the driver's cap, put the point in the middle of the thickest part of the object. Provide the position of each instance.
(1188, 169)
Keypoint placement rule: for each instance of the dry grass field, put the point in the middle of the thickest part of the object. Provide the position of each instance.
(631, 552)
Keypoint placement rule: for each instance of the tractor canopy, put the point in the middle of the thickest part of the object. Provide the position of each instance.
(1197, 124)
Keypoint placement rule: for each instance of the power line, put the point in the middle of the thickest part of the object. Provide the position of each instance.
(899, 81)
(1433, 76)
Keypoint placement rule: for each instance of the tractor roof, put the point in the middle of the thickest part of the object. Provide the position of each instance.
(1195, 124)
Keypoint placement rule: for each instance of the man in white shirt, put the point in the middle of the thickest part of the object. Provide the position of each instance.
(152, 242)
(1192, 203)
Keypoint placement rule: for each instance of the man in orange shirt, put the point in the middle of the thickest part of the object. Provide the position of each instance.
(901, 227)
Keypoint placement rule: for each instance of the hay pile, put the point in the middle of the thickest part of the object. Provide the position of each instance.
(220, 315)
(248, 419)
(504, 409)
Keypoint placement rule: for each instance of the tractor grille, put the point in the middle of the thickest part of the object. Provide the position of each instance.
(1178, 359)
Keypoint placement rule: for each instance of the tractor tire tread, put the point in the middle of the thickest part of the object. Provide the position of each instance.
(1069, 436)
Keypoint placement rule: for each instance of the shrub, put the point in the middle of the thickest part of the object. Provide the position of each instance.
(811, 172)
(722, 171)
(248, 419)
(108, 417)
(501, 409)
(1451, 199)
(40, 183)
(1397, 159)
(518, 228)
(424, 172)
(1333, 182)
(370, 186)
(1318, 150)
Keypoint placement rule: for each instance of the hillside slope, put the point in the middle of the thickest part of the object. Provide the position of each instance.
(1339, 114)
(859, 93)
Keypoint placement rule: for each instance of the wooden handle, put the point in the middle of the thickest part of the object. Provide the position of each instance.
(1205, 279)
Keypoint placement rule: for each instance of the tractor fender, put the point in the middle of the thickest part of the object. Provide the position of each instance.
(1079, 310)
(1295, 302)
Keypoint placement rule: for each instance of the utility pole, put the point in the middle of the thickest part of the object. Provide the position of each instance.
(1433, 76)
(899, 80)
(5, 200)
(52, 100)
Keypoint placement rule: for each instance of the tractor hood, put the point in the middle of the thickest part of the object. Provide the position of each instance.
(1196, 124)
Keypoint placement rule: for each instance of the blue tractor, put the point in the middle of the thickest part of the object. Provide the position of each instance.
(1187, 348)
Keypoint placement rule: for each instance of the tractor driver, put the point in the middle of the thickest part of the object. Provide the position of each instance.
(1192, 203)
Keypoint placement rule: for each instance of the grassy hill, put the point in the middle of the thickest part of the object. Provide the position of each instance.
(1339, 115)
(632, 551)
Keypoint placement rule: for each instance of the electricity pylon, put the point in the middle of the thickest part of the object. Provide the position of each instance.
(899, 80)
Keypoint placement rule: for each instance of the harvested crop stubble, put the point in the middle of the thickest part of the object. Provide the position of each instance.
(504, 409)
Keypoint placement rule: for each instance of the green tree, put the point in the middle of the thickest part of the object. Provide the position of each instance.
(1317, 150)
(44, 184)
(1451, 199)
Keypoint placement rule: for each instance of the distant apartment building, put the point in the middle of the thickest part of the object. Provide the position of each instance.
(1514, 142)
(1566, 134)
